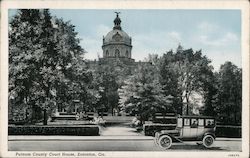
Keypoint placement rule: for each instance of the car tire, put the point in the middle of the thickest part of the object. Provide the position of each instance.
(165, 142)
(208, 141)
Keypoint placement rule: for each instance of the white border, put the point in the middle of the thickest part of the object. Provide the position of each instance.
(128, 4)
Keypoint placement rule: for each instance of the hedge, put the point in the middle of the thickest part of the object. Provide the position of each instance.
(79, 130)
(150, 129)
(228, 131)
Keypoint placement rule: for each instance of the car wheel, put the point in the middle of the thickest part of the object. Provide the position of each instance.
(208, 141)
(165, 142)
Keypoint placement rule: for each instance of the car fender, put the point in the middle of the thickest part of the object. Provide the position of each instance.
(174, 139)
(209, 133)
(157, 134)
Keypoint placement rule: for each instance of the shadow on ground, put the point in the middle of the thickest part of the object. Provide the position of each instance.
(192, 147)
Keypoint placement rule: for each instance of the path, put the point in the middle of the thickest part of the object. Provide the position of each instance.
(119, 130)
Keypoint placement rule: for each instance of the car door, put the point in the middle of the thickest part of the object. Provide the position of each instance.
(200, 130)
(193, 128)
(186, 128)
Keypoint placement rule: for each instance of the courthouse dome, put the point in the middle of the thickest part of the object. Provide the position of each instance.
(117, 35)
(117, 44)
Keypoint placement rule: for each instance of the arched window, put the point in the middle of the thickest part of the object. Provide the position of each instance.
(127, 54)
(107, 53)
(117, 53)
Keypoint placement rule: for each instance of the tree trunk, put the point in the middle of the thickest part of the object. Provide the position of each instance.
(181, 107)
(102, 113)
(187, 111)
(45, 117)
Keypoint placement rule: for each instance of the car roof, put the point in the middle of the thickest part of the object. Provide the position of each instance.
(201, 117)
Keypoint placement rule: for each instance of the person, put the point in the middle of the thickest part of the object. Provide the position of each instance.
(209, 124)
(194, 124)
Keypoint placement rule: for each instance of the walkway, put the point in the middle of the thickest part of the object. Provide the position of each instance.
(119, 130)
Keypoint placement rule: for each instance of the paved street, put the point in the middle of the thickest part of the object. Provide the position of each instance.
(117, 138)
(116, 143)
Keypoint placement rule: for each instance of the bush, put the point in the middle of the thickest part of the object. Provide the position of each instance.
(79, 130)
(228, 131)
(151, 129)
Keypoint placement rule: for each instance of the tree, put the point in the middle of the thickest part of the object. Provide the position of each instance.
(210, 87)
(46, 61)
(169, 80)
(25, 50)
(75, 76)
(184, 74)
(229, 100)
(108, 79)
(142, 93)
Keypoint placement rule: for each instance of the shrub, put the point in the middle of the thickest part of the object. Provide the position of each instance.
(228, 131)
(150, 129)
(79, 130)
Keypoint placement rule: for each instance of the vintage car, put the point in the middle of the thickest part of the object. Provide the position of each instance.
(188, 128)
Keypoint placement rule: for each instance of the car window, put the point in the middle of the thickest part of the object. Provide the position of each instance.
(186, 122)
(201, 122)
(209, 123)
(179, 123)
(194, 123)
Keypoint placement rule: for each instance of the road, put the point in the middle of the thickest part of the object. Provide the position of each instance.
(116, 138)
(116, 143)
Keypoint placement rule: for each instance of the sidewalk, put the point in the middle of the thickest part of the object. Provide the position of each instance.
(77, 138)
(228, 139)
(92, 138)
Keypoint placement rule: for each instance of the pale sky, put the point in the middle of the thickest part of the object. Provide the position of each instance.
(216, 32)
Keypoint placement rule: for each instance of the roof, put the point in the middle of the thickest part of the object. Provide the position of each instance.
(195, 116)
(117, 36)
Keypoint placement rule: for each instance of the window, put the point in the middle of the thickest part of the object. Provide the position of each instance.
(127, 54)
(117, 53)
(179, 123)
(209, 123)
(201, 122)
(107, 53)
(194, 123)
(186, 122)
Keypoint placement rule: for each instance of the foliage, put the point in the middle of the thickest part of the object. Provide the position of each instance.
(151, 129)
(169, 80)
(47, 70)
(107, 79)
(229, 96)
(183, 74)
(82, 130)
(45, 61)
(228, 131)
(142, 93)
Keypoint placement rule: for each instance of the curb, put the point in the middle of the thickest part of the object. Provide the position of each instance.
(92, 138)
(78, 138)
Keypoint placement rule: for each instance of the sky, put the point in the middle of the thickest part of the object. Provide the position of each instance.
(216, 32)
